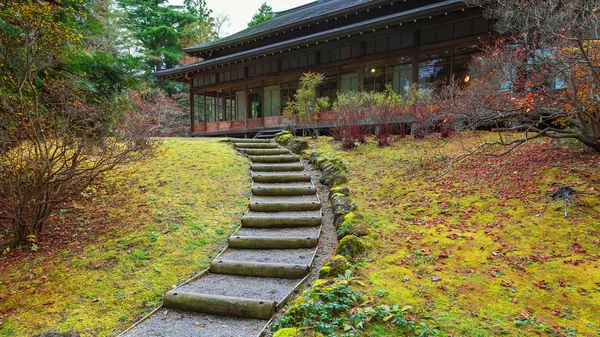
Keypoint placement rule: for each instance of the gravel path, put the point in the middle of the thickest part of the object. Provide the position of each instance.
(169, 322)
(327, 242)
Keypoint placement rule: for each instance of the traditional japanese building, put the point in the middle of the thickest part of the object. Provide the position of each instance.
(244, 80)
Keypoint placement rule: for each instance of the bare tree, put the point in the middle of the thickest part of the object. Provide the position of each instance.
(56, 137)
(541, 77)
(222, 22)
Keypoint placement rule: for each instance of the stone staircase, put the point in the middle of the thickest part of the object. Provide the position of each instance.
(268, 133)
(265, 261)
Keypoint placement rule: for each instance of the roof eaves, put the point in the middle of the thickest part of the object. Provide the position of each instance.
(227, 41)
(424, 11)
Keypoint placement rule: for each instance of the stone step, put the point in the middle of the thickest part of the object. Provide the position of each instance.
(255, 145)
(247, 140)
(280, 177)
(281, 219)
(300, 256)
(277, 167)
(301, 232)
(261, 269)
(288, 189)
(219, 305)
(260, 288)
(175, 322)
(283, 204)
(266, 152)
(275, 159)
(272, 242)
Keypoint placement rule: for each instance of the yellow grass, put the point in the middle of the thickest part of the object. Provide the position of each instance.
(165, 219)
(481, 250)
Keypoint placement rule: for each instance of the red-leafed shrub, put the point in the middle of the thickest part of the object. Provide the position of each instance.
(167, 116)
(349, 125)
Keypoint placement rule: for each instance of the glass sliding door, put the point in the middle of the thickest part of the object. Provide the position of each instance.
(199, 109)
(401, 78)
(240, 105)
(350, 82)
(256, 104)
(271, 101)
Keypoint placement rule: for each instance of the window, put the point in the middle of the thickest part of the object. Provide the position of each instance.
(210, 109)
(271, 101)
(375, 77)
(350, 82)
(240, 105)
(401, 78)
(329, 87)
(256, 106)
(434, 69)
(462, 58)
(288, 90)
(198, 109)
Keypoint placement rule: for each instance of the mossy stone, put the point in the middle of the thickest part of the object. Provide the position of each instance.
(356, 229)
(286, 332)
(337, 180)
(336, 265)
(295, 332)
(297, 146)
(335, 191)
(340, 206)
(283, 138)
(313, 157)
(351, 246)
(320, 161)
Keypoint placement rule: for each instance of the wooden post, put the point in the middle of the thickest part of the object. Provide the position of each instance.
(191, 112)
(361, 77)
(216, 109)
(205, 115)
(231, 104)
(262, 100)
(246, 102)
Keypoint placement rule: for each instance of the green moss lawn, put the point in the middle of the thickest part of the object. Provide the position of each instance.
(481, 251)
(106, 260)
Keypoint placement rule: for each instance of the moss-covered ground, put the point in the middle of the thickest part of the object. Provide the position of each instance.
(481, 250)
(107, 259)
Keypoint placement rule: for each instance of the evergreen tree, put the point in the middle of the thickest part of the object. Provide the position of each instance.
(158, 27)
(264, 13)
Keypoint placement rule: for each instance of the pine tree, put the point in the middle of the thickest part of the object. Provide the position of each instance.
(158, 27)
(264, 13)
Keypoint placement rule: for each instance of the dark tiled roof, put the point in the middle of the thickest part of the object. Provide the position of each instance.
(303, 13)
(441, 6)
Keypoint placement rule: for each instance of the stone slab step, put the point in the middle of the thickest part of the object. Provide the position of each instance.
(247, 140)
(272, 242)
(175, 322)
(275, 159)
(288, 189)
(282, 204)
(262, 288)
(219, 305)
(277, 167)
(261, 269)
(312, 232)
(281, 219)
(266, 152)
(280, 177)
(301, 256)
(255, 145)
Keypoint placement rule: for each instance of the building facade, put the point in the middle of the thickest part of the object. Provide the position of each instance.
(244, 81)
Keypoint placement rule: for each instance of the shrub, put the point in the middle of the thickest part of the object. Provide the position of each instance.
(349, 125)
(305, 107)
